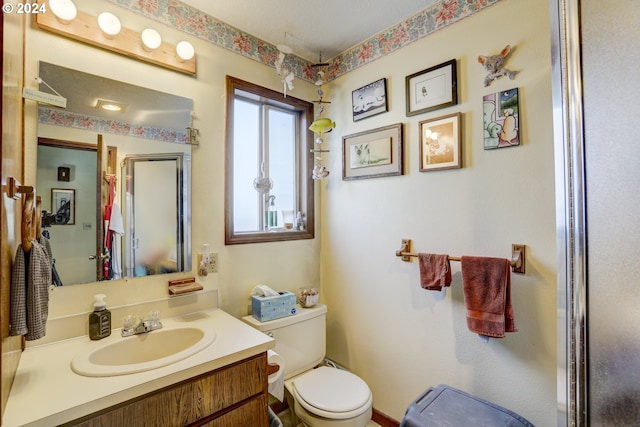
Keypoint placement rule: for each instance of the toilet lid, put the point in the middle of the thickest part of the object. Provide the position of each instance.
(331, 390)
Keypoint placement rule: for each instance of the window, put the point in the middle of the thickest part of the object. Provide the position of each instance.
(269, 190)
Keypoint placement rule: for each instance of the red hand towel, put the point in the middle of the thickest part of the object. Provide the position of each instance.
(435, 271)
(487, 295)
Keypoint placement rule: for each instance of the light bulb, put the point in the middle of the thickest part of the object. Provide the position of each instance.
(185, 51)
(111, 107)
(64, 10)
(109, 24)
(151, 39)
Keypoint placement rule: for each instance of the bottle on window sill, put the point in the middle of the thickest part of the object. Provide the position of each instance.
(272, 213)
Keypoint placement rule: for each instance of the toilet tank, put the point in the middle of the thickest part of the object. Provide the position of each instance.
(300, 339)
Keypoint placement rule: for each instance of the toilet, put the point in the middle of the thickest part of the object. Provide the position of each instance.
(318, 396)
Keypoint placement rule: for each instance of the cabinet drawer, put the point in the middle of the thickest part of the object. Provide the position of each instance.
(251, 414)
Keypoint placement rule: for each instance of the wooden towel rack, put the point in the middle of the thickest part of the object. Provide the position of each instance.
(27, 229)
(517, 261)
(38, 217)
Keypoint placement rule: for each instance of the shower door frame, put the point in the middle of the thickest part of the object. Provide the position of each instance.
(570, 212)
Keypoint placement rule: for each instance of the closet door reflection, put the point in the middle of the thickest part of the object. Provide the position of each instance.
(156, 240)
(72, 243)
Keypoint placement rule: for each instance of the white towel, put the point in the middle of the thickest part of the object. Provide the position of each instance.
(116, 225)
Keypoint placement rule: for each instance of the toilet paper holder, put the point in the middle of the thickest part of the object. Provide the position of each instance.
(272, 368)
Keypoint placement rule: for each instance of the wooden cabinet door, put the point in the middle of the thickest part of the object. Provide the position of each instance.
(232, 396)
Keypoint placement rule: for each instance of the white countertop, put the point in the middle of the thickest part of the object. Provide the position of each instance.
(47, 392)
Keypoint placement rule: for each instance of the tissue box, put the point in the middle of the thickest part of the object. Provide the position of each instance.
(275, 307)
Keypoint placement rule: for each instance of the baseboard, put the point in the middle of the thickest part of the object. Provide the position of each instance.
(378, 417)
(383, 419)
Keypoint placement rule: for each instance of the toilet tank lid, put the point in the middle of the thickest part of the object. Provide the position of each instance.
(301, 314)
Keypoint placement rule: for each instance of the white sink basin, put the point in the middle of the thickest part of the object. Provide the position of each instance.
(142, 352)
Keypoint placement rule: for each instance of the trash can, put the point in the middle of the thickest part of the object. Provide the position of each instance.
(447, 406)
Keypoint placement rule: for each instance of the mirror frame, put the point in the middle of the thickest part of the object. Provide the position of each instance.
(183, 203)
(105, 157)
(305, 164)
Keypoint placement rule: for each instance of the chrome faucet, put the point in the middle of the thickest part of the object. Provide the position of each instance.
(129, 326)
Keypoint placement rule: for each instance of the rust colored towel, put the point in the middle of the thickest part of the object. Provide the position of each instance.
(435, 271)
(487, 295)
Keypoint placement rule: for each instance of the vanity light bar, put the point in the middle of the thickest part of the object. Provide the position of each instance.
(127, 42)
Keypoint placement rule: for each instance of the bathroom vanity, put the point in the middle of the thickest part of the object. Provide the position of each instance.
(225, 384)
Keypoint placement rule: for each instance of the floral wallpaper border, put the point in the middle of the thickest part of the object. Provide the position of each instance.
(198, 24)
(55, 117)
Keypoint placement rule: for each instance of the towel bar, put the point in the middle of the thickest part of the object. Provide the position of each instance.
(15, 189)
(517, 261)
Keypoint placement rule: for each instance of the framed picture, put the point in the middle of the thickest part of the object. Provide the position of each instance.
(63, 205)
(64, 174)
(373, 153)
(501, 119)
(441, 143)
(432, 89)
(370, 100)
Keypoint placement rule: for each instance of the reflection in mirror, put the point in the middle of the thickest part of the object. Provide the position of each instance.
(72, 242)
(83, 151)
(155, 239)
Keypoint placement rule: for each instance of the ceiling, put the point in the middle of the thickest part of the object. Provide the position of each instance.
(327, 27)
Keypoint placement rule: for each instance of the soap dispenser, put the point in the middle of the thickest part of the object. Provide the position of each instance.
(100, 319)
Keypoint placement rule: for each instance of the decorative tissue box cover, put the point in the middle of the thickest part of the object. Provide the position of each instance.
(275, 307)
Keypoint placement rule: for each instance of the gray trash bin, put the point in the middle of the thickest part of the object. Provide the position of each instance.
(447, 406)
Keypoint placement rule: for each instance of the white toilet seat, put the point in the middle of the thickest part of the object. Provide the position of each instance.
(332, 393)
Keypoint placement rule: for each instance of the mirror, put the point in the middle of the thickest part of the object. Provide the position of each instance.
(115, 185)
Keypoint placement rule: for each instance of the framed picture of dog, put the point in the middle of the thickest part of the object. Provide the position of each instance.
(373, 153)
(501, 119)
